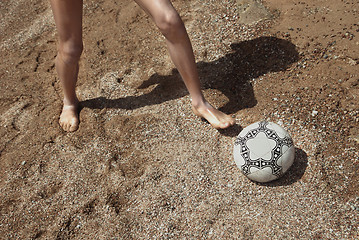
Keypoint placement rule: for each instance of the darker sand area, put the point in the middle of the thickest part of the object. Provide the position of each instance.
(141, 165)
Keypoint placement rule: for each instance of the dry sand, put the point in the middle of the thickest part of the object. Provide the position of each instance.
(141, 165)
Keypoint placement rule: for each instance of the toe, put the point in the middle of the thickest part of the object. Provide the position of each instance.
(74, 125)
(66, 127)
(72, 128)
(224, 125)
(62, 125)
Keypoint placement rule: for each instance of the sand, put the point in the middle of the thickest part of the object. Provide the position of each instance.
(142, 165)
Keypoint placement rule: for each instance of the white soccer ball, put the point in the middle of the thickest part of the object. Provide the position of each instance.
(263, 151)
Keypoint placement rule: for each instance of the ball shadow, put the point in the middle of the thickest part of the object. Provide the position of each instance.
(231, 75)
(294, 173)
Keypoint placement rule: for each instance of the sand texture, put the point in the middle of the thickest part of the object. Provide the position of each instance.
(142, 165)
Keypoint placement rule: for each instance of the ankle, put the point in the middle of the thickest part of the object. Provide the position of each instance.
(198, 102)
(71, 101)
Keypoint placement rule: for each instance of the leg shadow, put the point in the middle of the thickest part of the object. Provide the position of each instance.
(231, 75)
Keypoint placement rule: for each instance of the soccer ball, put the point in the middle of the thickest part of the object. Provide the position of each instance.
(263, 151)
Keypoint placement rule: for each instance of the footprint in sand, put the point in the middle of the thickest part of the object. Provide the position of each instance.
(17, 116)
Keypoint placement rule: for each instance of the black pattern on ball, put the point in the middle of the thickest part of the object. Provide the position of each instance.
(261, 163)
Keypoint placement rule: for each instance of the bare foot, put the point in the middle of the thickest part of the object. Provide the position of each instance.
(216, 118)
(69, 118)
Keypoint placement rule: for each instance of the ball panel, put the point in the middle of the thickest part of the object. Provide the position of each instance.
(253, 170)
(285, 148)
(287, 159)
(263, 175)
(261, 146)
(267, 156)
(248, 128)
(278, 129)
(238, 157)
(254, 156)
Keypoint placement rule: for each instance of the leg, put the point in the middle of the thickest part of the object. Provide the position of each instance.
(68, 19)
(180, 49)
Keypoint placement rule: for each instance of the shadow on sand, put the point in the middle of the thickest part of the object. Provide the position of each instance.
(230, 75)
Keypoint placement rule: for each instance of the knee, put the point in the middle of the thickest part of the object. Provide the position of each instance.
(169, 23)
(70, 52)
